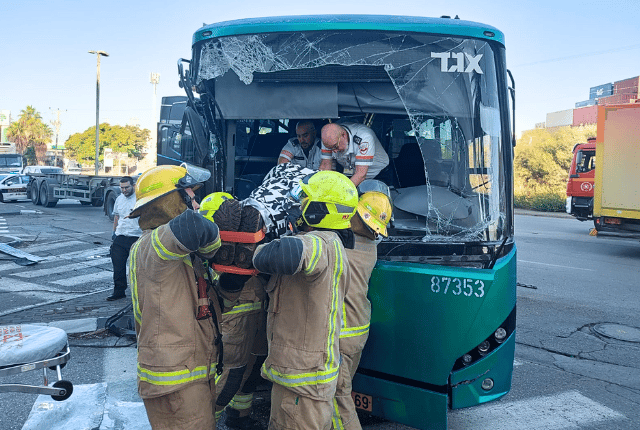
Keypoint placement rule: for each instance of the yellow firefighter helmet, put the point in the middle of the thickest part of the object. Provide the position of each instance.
(375, 210)
(328, 200)
(210, 204)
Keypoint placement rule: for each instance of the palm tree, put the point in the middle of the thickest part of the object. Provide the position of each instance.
(30, 131)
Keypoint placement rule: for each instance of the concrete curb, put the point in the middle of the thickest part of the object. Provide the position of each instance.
(543, 214)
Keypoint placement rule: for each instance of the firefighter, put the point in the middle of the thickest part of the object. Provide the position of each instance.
(310, 274)
(243, 336)
(176, 324)
(369, 223)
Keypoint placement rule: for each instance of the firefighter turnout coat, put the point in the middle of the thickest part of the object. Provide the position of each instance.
(355, 329)
(306, 294)
(174, 349)
(357, 308)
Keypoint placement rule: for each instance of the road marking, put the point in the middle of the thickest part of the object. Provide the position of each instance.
(53, 245)
(88, 254)
(56, 300)
(555, 265)
(568, 410)
(101, 251)
(28, 288)
(92, 277)
(63, 269)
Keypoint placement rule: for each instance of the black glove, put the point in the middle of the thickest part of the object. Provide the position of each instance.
(294, 219)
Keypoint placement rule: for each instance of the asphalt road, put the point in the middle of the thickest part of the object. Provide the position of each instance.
(577, 358)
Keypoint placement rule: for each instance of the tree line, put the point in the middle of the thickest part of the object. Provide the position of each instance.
(31, 134)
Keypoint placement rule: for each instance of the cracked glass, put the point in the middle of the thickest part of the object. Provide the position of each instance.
(445, 140)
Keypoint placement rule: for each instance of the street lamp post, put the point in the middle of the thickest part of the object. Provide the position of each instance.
(98, 54)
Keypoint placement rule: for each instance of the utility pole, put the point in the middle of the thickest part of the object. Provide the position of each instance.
(155, 80)
(152, 151)
(57, 125)
(98, 54)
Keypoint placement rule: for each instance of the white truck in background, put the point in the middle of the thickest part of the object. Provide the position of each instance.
(47, 188)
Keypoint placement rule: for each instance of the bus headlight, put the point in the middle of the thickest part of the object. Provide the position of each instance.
(487, 384)
(500, 335)
(483, 348)
(466, 359)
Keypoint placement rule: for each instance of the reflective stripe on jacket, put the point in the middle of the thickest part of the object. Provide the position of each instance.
(304, 317)
(173, 347)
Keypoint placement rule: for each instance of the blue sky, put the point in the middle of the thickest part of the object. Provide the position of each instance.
(556, 50)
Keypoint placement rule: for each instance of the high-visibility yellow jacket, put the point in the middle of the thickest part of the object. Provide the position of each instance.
(306, 292)
(357, 308)
(174, 349)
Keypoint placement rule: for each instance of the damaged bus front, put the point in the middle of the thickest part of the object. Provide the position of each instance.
(436, 93)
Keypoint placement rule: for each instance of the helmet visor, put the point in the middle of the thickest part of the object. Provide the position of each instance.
(369, 185)
(194, 176)
(297, 194)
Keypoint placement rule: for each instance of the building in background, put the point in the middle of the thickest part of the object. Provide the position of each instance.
(5, 121)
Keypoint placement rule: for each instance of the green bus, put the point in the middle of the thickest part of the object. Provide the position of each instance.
(437, 93)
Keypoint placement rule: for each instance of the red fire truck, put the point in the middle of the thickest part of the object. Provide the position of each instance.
(581, 178)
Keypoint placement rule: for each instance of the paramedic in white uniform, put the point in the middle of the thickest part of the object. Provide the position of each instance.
(356, 148)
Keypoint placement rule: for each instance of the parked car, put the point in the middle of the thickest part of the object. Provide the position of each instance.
(27, 170)
(13, 187)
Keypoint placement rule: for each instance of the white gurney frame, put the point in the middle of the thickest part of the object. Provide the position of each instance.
(61, 389)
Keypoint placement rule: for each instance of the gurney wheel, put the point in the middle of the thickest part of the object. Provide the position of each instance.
(67, 386)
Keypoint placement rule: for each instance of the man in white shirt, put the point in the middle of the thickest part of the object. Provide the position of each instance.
(356, 148)
(125, 232)
(303, 150)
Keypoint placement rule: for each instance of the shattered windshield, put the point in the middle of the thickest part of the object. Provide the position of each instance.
(442, 125)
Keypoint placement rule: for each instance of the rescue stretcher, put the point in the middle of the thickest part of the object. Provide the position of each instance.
(25, 348)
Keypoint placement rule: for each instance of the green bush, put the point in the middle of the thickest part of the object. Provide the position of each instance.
(541, 166)
(545, 202)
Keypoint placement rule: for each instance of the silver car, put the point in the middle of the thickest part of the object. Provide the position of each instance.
(13, 187)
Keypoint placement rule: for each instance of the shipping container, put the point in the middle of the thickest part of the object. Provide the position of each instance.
(627, 86)
(590, 102)
(560, 119)
(585, 115)
(603, 90)
(616, 99)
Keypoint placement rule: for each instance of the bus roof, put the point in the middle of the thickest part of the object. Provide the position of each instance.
(277, 24)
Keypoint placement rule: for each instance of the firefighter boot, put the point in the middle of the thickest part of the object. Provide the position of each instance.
(251, 223)
(227, 218)
(236, 422)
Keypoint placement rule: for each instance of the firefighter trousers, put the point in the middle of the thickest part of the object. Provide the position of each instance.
(191, 408)
(291, 411)
(345, 416)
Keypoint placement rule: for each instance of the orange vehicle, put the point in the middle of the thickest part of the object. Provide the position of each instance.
(616, 203)
(581, 178)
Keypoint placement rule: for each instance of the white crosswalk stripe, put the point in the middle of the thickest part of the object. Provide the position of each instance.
(564, 411)
(26, 288)
(83, 279)
(70, 268)
(52, 245)
(63, 269)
